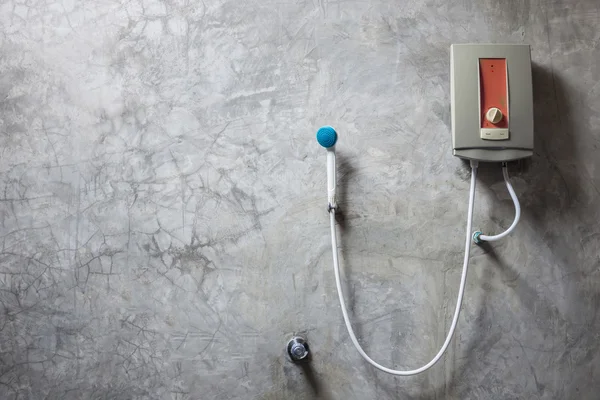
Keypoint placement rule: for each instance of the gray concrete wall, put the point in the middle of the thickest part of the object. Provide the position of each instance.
(163, 223)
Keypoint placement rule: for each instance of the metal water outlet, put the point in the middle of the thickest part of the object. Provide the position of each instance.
(297, 349)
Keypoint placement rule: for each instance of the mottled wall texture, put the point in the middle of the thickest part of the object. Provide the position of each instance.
(163, 216)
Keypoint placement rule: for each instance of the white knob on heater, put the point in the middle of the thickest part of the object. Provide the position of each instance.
(494, 115)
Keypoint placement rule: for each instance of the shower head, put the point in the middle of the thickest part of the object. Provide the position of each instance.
(326, 136)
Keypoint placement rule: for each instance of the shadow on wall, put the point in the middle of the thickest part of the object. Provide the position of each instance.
(345, 173)
(301, 378)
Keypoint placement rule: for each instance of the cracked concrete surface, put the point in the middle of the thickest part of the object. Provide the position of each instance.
(162, 202)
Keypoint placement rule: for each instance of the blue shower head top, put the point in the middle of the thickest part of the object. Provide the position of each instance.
(326, 136)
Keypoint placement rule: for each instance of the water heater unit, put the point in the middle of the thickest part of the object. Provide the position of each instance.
(492, 101)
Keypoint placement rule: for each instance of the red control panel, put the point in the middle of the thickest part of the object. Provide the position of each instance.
(493, 84)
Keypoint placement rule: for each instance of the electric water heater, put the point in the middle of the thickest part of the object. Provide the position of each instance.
(492, 101)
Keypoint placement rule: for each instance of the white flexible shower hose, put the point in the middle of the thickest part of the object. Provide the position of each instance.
(461, 289)
(515, 200)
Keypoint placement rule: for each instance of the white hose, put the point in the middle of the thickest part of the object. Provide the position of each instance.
(515, 200)
(461, 289)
